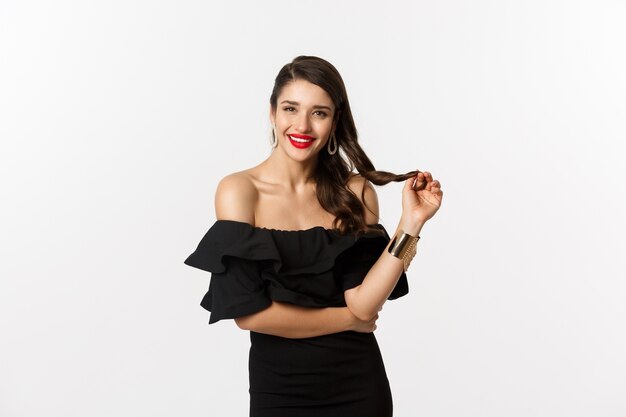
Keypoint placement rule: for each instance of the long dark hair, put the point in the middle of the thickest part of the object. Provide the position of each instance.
(334, 171)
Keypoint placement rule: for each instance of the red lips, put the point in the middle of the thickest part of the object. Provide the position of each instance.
(304, 141)
(299, 136)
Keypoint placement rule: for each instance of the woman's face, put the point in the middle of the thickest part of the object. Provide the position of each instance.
(303, 118)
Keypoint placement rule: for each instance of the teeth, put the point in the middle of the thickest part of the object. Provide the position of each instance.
(301, 140)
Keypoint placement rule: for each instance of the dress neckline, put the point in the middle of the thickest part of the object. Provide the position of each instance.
(269, 229)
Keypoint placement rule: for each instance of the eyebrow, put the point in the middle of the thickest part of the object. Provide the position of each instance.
(295, 103)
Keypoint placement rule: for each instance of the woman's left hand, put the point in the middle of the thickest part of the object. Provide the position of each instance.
(421, 197)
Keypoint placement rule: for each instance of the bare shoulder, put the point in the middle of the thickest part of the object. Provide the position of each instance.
(236, 197)
(366, 193)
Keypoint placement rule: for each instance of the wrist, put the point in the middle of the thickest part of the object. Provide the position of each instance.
(347, 319)
(411, 226)
(404, 246)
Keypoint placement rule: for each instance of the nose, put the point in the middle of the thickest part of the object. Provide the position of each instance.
(303, 124)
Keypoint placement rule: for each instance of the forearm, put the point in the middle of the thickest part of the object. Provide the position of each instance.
(367, 299)
(293, 321)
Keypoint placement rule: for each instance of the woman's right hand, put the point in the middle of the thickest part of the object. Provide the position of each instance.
(361, 326)
(420, 201)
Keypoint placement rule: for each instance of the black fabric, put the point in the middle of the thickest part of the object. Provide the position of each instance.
(341, 373)
(251, 266)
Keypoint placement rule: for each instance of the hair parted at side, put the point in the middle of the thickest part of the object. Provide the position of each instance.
(334, 171)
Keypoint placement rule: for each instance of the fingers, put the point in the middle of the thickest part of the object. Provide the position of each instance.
(428, 178)
(424, 181)
(432, 185)
(417, 182)
(409, 184)
(435, 188)
(373, 321)
(366, 326)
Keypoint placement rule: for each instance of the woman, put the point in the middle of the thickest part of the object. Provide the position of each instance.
(299, 259)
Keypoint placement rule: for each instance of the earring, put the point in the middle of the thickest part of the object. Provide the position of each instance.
(273, 139)
(332, 143)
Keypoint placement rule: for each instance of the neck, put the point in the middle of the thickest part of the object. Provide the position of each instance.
(284, 170)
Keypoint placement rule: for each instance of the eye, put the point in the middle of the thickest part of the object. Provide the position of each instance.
(287, 108)
(322, 113)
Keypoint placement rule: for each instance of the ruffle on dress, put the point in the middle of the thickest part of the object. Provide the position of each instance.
(251, 266)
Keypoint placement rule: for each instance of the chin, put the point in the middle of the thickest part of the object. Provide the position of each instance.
(300, 155)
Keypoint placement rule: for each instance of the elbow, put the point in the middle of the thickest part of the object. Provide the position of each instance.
(361, 313)
(254, 321)
(241, 323)
(365, 315)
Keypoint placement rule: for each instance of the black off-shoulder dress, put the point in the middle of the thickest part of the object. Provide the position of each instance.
(340, 374)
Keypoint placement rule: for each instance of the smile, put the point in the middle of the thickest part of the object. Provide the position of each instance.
(299, 142)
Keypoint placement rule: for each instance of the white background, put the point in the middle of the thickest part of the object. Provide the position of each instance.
(119, 117)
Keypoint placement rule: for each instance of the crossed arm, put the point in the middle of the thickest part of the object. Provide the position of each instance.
(292, 321)
(364, 302)
(233, 200)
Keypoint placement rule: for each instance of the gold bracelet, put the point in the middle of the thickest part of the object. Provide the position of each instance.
(404, 246)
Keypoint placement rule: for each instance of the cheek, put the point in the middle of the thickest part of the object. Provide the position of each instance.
(323, 126)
